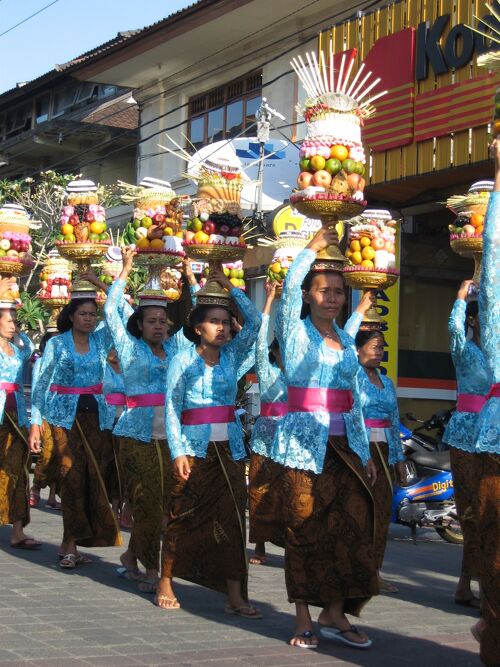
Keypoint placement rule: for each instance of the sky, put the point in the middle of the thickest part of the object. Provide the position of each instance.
(66, 29)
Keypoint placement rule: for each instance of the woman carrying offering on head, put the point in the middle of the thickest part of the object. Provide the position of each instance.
(487, 436)
(14, 449)
(263, 484)
(322, 444)
(68, 395)
(473, 383)
(205, 536)
(144, 351)
(381, 415)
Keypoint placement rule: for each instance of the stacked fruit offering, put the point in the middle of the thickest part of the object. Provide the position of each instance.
(156, 225)
(216, 217)
(470, 210)
(171, 283)
(288, 245)
(15, 239)
(55, 278)
(83, 219)
(372, 242)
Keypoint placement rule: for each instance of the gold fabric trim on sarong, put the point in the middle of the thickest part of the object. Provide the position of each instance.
(329, 520)
(265, 501)
(14, 459)
(85, 454)
(144, 468)
(204, 540)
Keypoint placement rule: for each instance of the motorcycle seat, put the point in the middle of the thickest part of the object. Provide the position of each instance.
(437, 460)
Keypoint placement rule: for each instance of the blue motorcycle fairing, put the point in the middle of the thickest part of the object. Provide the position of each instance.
(437, 488)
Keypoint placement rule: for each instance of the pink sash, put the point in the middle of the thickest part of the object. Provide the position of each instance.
(470, 402)
(494, 391)
(145, 401)
(115, 399)
(273, 409)
(378, 423)
(217, 414)
(319, 399)
(9, 387)
(60, 389)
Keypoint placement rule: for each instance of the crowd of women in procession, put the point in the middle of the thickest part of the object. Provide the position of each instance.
(125, 411)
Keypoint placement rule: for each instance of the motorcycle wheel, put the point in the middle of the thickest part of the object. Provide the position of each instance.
(452, 533)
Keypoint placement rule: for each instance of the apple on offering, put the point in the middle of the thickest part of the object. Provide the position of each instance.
(82, 219)
(372, 242)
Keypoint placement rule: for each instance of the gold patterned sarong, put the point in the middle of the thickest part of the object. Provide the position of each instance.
(86, 455)
(14, 459)
(204, 540)
(265, 501)
(47, 468)
(329, 532)
(144, 468)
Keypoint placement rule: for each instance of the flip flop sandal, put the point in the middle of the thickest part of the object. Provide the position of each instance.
(387, 586)
(305, 635)
(34, 498)
(240, 611)
(68, 562)
(146, 586)
(28, 543)
(130, 575)
(80, 558)
(337, 635)
(172, 603)
(54, 506)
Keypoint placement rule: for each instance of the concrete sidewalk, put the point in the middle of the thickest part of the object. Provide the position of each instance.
(90, 616)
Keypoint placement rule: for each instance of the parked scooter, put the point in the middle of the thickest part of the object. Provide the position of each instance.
(427, 500)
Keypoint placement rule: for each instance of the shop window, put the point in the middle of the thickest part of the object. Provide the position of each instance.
(226, 111)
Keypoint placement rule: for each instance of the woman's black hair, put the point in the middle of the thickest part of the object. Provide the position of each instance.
(363, 336)
(137, 318)
(196, 317)
(471, 310)
(273, 348)
(64, 322)
(45, 339)
(307, 284)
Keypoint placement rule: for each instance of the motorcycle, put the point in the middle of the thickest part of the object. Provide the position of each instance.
(427, 499)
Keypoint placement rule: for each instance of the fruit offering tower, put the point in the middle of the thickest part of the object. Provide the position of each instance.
(371, 254)
(156, 225)
(332, 159)
(287, 246)
(215, 230)
(466, 233)
(55, 280)
(156, 231)
(83, 232)
(171, 283)
(15, 240)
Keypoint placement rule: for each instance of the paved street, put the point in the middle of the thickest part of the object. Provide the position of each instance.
(91, 617)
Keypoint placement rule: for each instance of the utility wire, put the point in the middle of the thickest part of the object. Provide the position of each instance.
(28, 18)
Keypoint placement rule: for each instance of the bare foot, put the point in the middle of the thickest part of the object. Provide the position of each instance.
(129, 562)
(304, 639)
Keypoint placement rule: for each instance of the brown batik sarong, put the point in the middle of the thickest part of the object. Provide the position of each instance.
(382, 494)
(204, 540)
(144, 467)
(47, 469)
(463, 471)
(487, 500)
(329, 521)
(265, 500)
(14, 459)
(85, 456)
